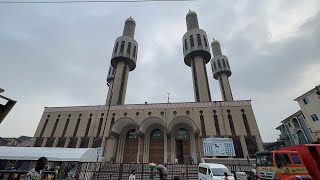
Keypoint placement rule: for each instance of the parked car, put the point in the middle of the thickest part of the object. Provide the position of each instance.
(212, 171)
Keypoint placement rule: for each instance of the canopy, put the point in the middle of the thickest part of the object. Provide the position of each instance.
(52, 154)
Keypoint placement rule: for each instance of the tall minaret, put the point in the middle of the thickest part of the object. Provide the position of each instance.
(197, 54)
(221, 70)
(124, 59)
(110, 80)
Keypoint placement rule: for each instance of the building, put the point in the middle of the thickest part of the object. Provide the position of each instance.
(294, 130)
(309, 103)
(6, 107)
(161, 132)
(303, 126)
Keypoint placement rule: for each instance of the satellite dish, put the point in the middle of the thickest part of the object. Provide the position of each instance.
(1, 90)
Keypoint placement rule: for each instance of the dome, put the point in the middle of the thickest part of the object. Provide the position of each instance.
(191, 13)
(131, 19)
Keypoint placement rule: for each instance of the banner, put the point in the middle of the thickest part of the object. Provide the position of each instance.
(218, 147)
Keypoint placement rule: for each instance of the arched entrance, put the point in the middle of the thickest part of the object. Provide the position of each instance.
(156, 146)
(182, 138)
(131, 147)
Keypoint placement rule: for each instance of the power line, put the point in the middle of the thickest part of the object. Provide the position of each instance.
(87, 1)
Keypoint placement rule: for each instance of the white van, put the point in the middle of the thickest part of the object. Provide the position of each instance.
(211, 171)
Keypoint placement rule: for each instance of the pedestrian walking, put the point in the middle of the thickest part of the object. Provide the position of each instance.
(36, 173)
(226, 176)
(163, 172)
(132, 175)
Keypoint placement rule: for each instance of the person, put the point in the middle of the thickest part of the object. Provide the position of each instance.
(190, 159)
(72, 174)
(35, 173)
(163, 172)
(132, 175)
(226, 176)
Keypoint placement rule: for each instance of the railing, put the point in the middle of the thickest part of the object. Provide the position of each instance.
(118, 171)
(20, 174)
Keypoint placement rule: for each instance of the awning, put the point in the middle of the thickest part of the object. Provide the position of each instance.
(52, 154)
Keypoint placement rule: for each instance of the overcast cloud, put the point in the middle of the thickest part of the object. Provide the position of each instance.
(58, 55)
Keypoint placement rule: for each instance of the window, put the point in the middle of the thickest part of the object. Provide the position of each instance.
(185, 45)
(191, 41)
(129, 48)
(116, 47)
(296, 159)
(206, 43)
(202, 170)
(220, 171)
(199, 40)
(314, 117)
(122, 46)
(219, 64)
(134, 51)
(228, 64)
(285, 159)
(214, 65)
(223, 63)
(306, 100)
(289, 124)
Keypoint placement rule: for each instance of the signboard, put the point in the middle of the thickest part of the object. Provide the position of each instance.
(99, 151)
(218, 147)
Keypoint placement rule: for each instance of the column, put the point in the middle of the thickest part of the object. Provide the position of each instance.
(44, 142)
(198, 147)
(109, 149)
(90, 142)
(169, 148)
(259, 143)
(141, 148)
(78, 142)
(244, 146)
(67, 142)
(56, 140)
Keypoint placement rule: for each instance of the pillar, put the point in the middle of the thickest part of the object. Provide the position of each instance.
(66, 144)
(259, 143)
(56, 140)
(44, 142)
(244, 146)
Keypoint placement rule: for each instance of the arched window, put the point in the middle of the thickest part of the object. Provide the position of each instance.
(223, 63)
(182, 134)
(185, 45)
(134, 51)
(205, 41)
(219, 64)
(191, 41)
(129, 48)
(301, 137)
(122, 47)
(214, 66)
(116, 47)
(199, 40)
(295, 123)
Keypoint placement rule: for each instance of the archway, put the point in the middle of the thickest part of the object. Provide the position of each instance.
(301, 137)
(131, 147)
(182, 138)
(156, 146)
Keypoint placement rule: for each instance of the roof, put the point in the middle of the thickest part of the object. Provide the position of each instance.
(310, 91)
(52, 154)
(291, 116)
(213, 165)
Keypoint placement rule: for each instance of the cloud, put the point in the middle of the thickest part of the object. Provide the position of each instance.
(58, 55)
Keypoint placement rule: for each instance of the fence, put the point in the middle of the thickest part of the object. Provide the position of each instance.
(105, 171)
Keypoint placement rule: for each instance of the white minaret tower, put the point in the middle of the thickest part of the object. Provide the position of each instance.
(197, 54)
(221, 70)
(123, 60)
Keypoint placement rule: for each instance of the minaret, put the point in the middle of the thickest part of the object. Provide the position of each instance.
(197, 54)
(221, 70)
(110, 80)
(123, 59)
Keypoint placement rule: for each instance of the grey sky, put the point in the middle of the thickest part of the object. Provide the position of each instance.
(58, 54)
